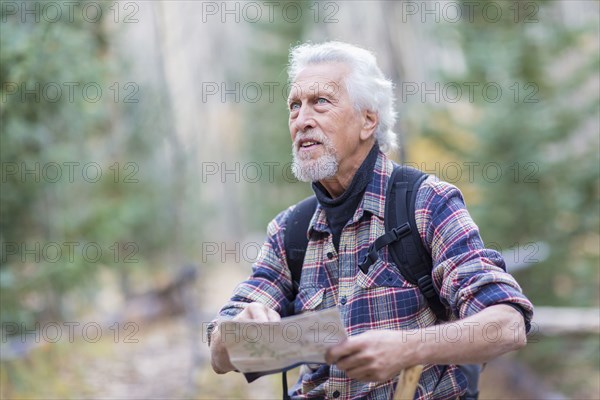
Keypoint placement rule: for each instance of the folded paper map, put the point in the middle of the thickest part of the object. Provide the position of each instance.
(271, 346)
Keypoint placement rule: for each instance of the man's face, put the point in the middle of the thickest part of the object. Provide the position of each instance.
(324, 125)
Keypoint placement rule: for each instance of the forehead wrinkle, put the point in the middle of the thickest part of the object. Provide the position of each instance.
(328, 87)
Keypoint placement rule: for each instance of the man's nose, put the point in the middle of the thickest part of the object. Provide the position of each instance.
(305, 119)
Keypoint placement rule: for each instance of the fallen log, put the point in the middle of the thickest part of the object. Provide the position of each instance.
(553, 321)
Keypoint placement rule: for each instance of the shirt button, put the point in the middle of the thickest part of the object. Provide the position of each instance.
(343, 300)
(330, 255)
(336, 394)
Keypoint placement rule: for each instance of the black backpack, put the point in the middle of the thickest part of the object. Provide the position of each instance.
(404, 246)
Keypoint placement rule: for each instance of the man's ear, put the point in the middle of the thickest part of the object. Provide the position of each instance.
(370, 120)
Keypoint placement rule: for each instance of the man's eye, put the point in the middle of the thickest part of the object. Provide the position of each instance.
(322, 100)
(294, 106)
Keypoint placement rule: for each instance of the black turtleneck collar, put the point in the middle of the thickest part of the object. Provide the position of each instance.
(341, 209)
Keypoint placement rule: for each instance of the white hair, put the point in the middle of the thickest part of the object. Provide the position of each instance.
(366, 85)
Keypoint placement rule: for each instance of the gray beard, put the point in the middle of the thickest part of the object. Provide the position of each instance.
(324, 167)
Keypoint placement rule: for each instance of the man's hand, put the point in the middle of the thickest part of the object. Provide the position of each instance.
(256, 312)
(372, 356)
(379, 355)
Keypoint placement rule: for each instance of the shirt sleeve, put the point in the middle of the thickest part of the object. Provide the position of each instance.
(270, 282)
(467, 276)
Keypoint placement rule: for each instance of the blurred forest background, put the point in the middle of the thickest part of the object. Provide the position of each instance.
(144, 148)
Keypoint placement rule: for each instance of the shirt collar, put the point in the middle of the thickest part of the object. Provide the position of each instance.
(373, 200)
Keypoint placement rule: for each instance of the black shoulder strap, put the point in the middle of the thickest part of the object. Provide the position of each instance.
(408, 252)
(295, 239)
(401, 237)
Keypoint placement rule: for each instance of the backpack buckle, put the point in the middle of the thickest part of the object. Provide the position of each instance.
(401, 231)
(370, 258)
(366, 263)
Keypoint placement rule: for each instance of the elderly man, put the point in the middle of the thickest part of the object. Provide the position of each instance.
(340, 119)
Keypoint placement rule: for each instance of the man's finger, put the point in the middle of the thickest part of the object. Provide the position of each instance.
(272, 315)
(348, 347)
(258, 312)
(252, 312)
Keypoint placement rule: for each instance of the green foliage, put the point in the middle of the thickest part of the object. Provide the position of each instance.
(540, 135)
(91, 159)
(545, 140)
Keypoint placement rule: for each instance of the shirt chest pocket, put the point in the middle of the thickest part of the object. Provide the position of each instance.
(382, 274)
(393, 301)
(309, 298)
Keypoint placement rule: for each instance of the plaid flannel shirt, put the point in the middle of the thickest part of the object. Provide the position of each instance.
(467, 276)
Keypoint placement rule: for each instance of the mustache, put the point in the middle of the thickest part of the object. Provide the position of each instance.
(312, 135)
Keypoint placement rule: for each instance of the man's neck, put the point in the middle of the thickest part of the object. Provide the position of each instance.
(338, 184)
